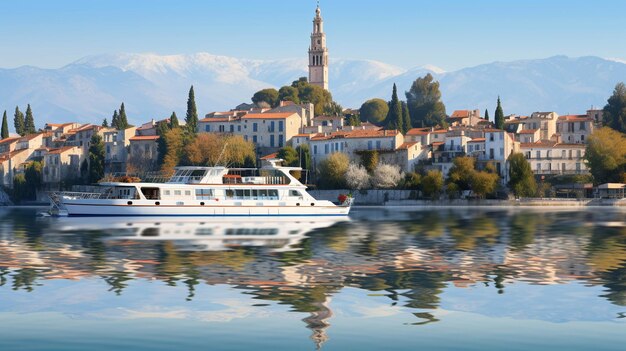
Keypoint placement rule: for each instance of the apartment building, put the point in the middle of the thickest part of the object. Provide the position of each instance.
(555, 158)
(574, 129)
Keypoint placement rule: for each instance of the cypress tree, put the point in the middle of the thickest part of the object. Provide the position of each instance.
(486, 115)
(18, 121)
(115, 120)
(5, 126)
(96, 158)
(394, 116)
(123, 120)
(174, 121)
(499, 118)
(192, 112)
(162, 129)
(105, 123)
(29, 122)
(406, 117)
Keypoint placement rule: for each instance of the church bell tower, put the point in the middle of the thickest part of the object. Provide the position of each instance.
(318, 53)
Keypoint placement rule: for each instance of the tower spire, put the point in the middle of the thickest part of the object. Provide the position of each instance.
(318, 53)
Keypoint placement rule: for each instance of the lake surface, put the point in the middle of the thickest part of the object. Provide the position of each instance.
(395, 279)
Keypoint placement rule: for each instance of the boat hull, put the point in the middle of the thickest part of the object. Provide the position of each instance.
(94, 209)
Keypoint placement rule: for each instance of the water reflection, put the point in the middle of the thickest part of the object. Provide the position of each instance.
(409, 258)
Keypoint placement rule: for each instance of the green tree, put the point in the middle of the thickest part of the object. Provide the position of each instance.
(29, 122)
(122, 119)
(174, 121)
(354, 120)
(318, 96)
(499, 118)
(84, 171)
(115, 120)
(96, 158)
(18, 122)
(605, 155)
(290, 156)
(333, 109)
(486, 115)
(484, 183)
(369, 159)
(105, 123)
(394, 116)
(432, 183)
(33, 177)
(20, 188)
(162, 129)
(192, 112)
(406, 118)
(521, 177)
(171, 149)
(269, 96)
(5, 126)
(615, 109)
(288, 93)
(462, 172)
(425, 106)
(304, 155)
(332, 171)
(374, 111)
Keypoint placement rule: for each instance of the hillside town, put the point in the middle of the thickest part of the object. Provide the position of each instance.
(552, 144)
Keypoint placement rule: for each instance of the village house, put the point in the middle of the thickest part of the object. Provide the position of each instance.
(143, 149)
(574, 129)
(116, 147)
(499, 145)
(351, 142)
(61, 164)
(545, 122)
(465, 118)
(555, 158)
(406, 156)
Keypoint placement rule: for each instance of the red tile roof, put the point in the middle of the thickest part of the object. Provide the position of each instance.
(218, 119)
(418, 131)
(9, 140)
(477, 140)
(270, 156)
(60, 150)
(357, 133)
(407, 145)
(144, 137)
(276, 115)
(575, 118)
(460, 114)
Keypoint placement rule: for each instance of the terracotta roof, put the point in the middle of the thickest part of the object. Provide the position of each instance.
(477, 140)
(9, 155)
(143, 137)
(418, 131)
(439, 131)
(218, 119)
(493, 130)
(9, 140)
(575, 118)
(270, 156)
(460, 114)
(407, 145)
(437, 143)
(60, 150)
(528, 131)
(277, 115)
(30, 136)
(357, 133)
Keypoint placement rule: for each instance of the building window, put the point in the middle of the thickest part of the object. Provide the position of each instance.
(239, 128)
(281, 126)
(232, 128)
(255, 127)
(207, 128)
(222, 129)
(377, 144)
(315, 149)
(280, 140)
(254, 139)
(272, 140)
(369, 144)
(326, 148)
(538, 156)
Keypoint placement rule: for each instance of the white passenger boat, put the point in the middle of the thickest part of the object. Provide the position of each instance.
(203, 191)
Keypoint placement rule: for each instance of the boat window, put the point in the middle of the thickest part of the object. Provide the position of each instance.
(262, 194)
(188, 192)
(230, 194)
(252, 194)
(151, 193)
(255, 194)
(273, 194)
(295, 193)
(166, 192)
(204, 194)
(177, 192)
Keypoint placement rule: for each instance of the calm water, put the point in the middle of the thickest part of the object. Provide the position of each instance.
(444, 279)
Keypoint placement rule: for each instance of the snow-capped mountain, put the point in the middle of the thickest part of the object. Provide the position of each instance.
(152, 86)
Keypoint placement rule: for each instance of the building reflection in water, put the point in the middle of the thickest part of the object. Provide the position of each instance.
(411, 258)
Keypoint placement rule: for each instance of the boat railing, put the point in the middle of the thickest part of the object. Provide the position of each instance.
(77, 195)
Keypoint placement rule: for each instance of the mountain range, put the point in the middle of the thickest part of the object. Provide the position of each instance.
(152, 86)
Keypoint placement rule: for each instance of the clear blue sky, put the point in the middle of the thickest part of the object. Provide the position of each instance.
(450, 34)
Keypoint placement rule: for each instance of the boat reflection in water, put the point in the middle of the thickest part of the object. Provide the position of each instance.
(204, 234)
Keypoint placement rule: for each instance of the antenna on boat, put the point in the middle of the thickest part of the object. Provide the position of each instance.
(221, 154)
